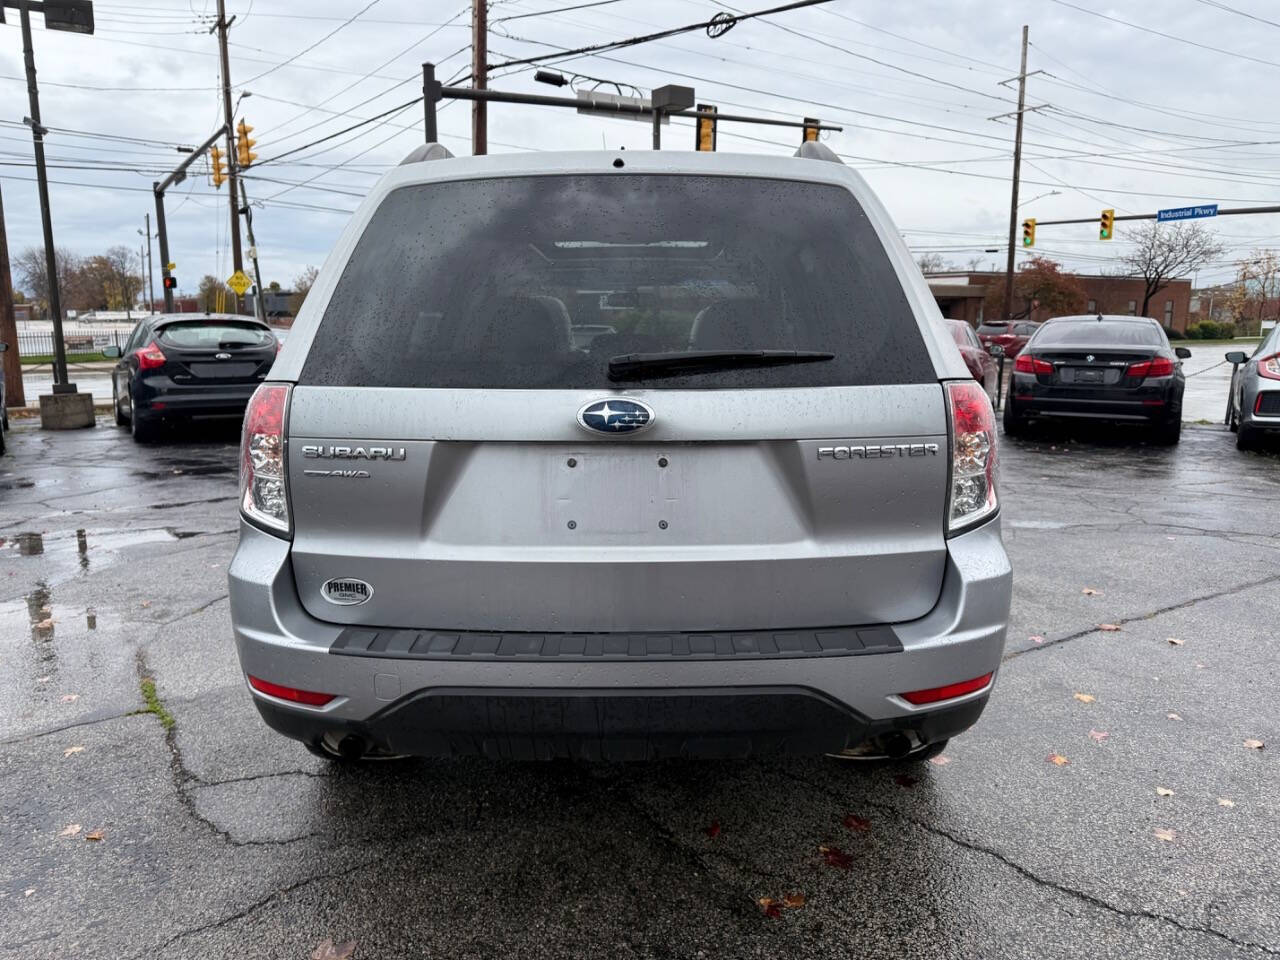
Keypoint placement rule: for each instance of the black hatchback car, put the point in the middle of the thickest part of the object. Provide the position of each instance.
(1104, 368)
(182, 367)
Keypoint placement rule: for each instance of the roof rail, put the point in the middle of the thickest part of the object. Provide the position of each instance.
(427, 151)
(812, 150)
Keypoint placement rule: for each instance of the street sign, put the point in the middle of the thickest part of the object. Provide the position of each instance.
(172, 267)
(239, 283)
(1187, 213)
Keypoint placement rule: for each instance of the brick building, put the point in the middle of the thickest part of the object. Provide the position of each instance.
(961, 295)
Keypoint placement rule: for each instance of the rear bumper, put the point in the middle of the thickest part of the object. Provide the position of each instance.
(1152, 402)
(628, 705)
(161, 397)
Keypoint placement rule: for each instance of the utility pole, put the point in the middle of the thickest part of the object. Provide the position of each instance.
(14, 396)
(479, 75)
(1017, 172)
(237, 259)
(260, 310)
(151, 277)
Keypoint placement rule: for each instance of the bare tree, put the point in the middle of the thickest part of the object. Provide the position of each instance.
(1255, 297)
(29, 267)
(933, 263)
(214, 296)
(1161, 253)
(302, 284)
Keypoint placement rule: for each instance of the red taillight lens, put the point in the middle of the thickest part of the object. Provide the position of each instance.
(948, 692)
(264, 493)
(150, 357)
(1269, 367)
(972, 494)
(308, 697)
(1029, 364)
(1155, 367)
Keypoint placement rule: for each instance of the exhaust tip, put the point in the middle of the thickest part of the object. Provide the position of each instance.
(895, 745)
(351, 747)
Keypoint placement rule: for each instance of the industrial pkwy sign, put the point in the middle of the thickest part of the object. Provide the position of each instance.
(1187, 213)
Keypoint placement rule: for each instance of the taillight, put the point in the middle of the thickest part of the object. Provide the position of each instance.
(972, 492)
(1026, 363)
(1269, 367)
(308, 697)
(150, 356)
(264, 493)
(1155, 367)
(948, 692)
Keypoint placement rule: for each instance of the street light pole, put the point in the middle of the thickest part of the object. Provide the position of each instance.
(61, 384)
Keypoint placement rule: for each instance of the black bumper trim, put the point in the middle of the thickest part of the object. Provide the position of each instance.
(724, 645)
(719, 723)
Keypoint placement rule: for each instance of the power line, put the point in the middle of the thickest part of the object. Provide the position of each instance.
(346, 23)
(544, 13)
(1223, 6)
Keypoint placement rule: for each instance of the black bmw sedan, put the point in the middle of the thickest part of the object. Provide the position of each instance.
(1103, 368)
(183, 367)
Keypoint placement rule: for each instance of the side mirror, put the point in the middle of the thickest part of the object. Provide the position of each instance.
(1237, 356)
(112, 353)
(1182, 353)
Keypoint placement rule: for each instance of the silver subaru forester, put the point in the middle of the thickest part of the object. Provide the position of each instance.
(620, 455)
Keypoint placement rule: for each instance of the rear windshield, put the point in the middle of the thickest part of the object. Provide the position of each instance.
(536, 282)
(1065, 333)
(198, 335)
(994, 327)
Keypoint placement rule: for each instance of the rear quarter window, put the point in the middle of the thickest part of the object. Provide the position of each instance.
(536, 282)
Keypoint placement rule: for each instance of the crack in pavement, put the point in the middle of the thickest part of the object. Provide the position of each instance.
(1183, 604)
(201, 783)
(258, 905)
(1035, 878)
(190, 613)
(70, 726)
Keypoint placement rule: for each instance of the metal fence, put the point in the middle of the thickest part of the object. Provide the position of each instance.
(80, 346)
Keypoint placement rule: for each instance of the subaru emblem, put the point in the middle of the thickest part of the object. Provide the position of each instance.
(616, 415)
(1090, 357)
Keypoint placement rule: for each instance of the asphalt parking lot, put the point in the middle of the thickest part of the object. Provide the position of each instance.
(147, 812)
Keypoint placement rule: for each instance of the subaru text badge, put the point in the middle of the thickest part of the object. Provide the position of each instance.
(616, 415)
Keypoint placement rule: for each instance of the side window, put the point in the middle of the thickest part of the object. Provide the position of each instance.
(135, 338)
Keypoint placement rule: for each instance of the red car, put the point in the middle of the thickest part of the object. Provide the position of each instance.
(976, 358)
(1013, 336)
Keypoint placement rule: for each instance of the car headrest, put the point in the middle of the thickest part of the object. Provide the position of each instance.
(733, 325)
(520, 326)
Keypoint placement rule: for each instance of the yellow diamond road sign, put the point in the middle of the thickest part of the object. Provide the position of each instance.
(239, 283)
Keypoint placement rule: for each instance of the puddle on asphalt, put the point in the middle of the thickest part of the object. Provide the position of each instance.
(89, 547)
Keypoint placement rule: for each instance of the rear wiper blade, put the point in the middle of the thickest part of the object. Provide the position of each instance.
(631, 366)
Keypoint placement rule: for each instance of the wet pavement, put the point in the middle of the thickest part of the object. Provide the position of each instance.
(123, 714)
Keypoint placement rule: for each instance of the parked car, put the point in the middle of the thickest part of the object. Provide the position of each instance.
(759, 517)
(4, 401)
(1010, 336)
(981, 366)
(1100, 368)
(182, 367)
(1255, 392)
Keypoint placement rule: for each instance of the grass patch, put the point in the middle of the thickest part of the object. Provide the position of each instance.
(154, 704)
(1237, 342)
(38, 358)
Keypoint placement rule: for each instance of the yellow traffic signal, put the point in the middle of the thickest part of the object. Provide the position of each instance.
(1029, 233)
(244, 152)
(1106, 225)
(705, 128)
(215, 164)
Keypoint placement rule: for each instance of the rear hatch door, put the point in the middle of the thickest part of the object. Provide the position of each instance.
(209, 352)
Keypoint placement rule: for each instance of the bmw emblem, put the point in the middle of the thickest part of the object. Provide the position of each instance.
(616, 415)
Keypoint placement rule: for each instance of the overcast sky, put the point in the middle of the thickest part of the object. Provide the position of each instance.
(1128, 118)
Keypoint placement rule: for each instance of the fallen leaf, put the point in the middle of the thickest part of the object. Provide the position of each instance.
(713, 831)
(95, 835)
(854, 822)
(1165, 835)
(1036, 638)
(1109, 627)
(29, 891)
(1085, 697)
(906, 781)
(1172, 716)
(835, 857)
(70, 750)
(45, 624)
(1163, 792)
(1174, 641)
(793, 901)
(328, 950)
(941, 760)
(70, 830)
(70, 697)
(146, 603)
(1091, 592)
(1099, 735)
(1057, 759)
(1254, 744)
(1224, 802)
(43, 679)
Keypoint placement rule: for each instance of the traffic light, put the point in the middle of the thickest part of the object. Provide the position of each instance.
(215, 164)
(1106, 225)
(244, 152)
(811, 129)
(704, 136)
(1029, 233)
(171, 283)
